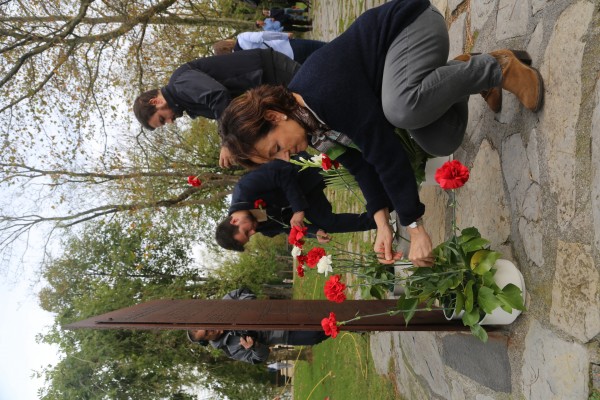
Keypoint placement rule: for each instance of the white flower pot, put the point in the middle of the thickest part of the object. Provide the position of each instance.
(506, 272)
(431, 166)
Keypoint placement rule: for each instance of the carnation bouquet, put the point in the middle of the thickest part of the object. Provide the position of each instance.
(461, 281)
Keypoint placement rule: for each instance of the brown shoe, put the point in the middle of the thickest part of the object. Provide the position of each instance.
(492, 96)
(521, 80)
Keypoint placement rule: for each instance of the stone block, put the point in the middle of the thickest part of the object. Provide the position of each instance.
(481, 202)
(561, 71)
(481, 10)
(576, 291)
(512, 19)
(485, 363)
(553, 368)
(457, 36)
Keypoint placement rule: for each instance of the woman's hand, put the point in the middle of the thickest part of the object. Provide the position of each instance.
(323, 237)
(420, 247)
(384, 239)
(226, 160)
(297, 219)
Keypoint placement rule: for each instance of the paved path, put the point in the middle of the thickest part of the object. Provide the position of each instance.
(534, 191)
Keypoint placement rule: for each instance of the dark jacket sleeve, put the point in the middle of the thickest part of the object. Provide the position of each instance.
(368, 180)
(285, 176)
(201, 94)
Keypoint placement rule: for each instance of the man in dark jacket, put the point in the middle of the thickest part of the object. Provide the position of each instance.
(252, 346)
(204, 87)
(276, 195)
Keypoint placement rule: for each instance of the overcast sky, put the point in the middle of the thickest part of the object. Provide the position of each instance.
(22, 319)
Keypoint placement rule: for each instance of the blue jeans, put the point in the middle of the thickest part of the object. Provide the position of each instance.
(427, 95)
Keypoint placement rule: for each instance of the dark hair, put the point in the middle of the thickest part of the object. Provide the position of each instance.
(143, 109)
(224, 235)
(190, 336)
(244, 121)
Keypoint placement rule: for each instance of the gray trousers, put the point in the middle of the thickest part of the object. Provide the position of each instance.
(425, 93)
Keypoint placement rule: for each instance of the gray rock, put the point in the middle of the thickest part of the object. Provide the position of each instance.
(515, 166)
(533, 240)
(596, 169)
(553, 368)
(512, 19)
(452, 4)
(420, 351)
(409, 383)
(480, 13)
(490, 367)
(457, 36)
(561, 71)
(441, 5)
(482, 203)
(537, 5)
(576, 291)
(381, 351)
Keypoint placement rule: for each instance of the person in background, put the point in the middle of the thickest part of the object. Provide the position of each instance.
(251, 346)
(205, 86)
(297, 49)
(277, 195)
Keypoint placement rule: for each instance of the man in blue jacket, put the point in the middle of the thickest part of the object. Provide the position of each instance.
(287, 195)
(205, 86)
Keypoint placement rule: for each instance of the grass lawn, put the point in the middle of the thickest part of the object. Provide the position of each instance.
(340, 368)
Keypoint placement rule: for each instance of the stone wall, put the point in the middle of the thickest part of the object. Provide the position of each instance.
(534, 191)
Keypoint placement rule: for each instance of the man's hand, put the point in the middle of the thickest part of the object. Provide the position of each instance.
(298, 219)
(226, 160)
(323, 237)
(247, 342)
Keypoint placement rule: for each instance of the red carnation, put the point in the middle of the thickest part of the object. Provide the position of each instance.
(301, 260)
(330, 325)
(296, 235)
(452, 175)
(326, 162)
(334, 289)
(300, 270)
(194, 181)
(336, 164)
(314, 255)
(260, 203)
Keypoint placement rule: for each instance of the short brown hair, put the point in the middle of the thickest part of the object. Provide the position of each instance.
(223, 47)
(143, 109)
(225, 235)
(244, 121)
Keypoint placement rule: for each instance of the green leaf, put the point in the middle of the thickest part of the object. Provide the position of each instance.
(459, 302)
(479, 333)
(487, 300)
(512, 296)
(469, 297)
(483, 260)
(408, 307)
(468, 234)
(474, 245)
(377, 292)
(365, 292)
(472, 317)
